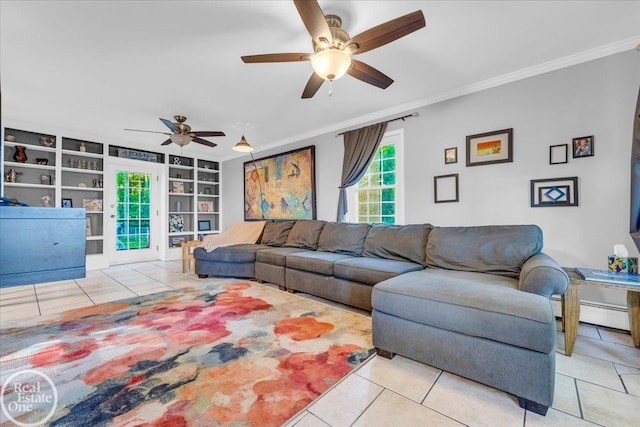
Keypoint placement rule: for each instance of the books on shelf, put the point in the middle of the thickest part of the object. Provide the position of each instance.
(609, 276)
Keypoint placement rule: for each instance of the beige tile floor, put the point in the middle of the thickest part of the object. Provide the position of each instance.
(598, 385)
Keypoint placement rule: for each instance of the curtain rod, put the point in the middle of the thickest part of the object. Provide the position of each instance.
(414, 114)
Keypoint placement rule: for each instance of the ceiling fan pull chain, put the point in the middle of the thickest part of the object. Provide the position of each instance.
(330, 88)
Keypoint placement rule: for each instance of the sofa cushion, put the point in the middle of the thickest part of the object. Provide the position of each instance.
(314, 262)
(245, 252)
(276, 256)
(475, 304)
(276, 232)
(495, 249)
(305, 234)
(371, 270)
(343, 238)
(399, 242)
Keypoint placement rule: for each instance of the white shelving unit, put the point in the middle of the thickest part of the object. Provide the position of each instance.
(207, 197)
(180, 209)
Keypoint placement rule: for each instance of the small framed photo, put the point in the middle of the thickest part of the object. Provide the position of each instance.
(207, 190)
(450, 155)
(558, 154)
(490, 147)
(177, 186)
(176, 242)
(553, 192)
(583, 146)
(204, 225)
(67, 203)
(445, 188)
(94, 205)
(205, 206)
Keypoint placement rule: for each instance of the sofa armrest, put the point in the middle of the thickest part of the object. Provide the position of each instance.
(542, 275)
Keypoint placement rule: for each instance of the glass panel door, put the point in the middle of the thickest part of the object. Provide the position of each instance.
(133, 211)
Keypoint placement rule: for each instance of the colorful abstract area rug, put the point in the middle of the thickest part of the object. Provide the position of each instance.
(234, 353)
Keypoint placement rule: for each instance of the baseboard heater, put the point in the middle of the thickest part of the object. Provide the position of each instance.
(597, 313)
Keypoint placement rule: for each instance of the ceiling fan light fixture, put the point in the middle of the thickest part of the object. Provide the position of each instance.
(243, 146)
(180, 139)
(331, 64)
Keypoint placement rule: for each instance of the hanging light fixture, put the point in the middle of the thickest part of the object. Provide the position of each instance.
(244, 147)
(331, 63)
(180, 139)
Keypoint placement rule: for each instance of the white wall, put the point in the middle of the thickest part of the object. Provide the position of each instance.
(595, 98)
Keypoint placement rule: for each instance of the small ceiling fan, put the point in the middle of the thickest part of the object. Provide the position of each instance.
(333, 47)
(181, 133)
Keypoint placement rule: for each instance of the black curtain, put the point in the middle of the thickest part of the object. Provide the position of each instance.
(360, 146)
(634, 219)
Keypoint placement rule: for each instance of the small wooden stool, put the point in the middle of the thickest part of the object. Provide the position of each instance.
(187, 254)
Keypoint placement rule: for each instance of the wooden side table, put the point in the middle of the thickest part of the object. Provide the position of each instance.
(571, 308)
(187, 254)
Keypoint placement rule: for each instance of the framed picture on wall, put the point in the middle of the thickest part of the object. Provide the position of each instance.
(445, 188)
(583, 146)
(558, 154)
(554, 192)
(281, 186)
(450, 155)
(490, 147)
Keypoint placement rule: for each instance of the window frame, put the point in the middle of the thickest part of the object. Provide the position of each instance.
(395, 137)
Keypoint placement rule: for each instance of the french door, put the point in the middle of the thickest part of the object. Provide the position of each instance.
(134, 200)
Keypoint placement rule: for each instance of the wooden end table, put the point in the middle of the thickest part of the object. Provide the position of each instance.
(571, 308)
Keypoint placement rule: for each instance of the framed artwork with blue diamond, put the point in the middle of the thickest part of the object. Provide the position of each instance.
(554, 192)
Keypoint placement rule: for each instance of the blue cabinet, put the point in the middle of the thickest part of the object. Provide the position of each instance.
(41, 245)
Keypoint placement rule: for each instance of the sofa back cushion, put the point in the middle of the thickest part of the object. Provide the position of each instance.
(276, 232)
(495, 249)
(343, 238)
(305, 234)
(398, 242)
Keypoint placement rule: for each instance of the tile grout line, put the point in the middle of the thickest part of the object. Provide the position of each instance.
(575, 383)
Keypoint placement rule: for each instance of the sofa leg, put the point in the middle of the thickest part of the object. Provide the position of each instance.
(385, 353)
(203, 276)
(532, 406)
(281, 288)
(291, 291)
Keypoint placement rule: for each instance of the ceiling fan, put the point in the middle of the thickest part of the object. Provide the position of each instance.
(181, 133)
(333, 47)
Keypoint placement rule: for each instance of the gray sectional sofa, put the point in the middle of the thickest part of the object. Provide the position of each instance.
(474, 301)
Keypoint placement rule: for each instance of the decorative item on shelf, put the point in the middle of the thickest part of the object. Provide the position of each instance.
(94, 165)
(100, 183)
(83, 147)
(177, 161)
(47, 141)
(10, 138)
(206, 207)
(177, 187)
(82, 185)
(204, 225)
(176, 242)
(20, 154)
(179, 175)
(176, 223)
(207, 190)
(178, 206)
(46, 180)
(89, 233)
(12, 176)
(94, 183)
(42, 162)
(67, 203)
(47, 201)
(94, 205)
(621, 262)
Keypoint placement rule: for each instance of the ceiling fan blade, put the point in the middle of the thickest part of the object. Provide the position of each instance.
(207, 133)
(313, 18)
(386, 33)
(149, 131)
(170, 125)
(368, 74)
(167, 142)
(276, 57)
(314, 83)
(203, 141)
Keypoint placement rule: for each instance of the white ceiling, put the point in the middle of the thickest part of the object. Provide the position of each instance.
(93, 68)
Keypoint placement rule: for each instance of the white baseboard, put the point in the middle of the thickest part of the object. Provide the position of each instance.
(597, 313)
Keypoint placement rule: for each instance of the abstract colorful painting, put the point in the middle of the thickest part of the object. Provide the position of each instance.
(232, 353)
(281, 186)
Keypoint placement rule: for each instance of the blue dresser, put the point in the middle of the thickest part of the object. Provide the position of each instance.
(41, 245)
